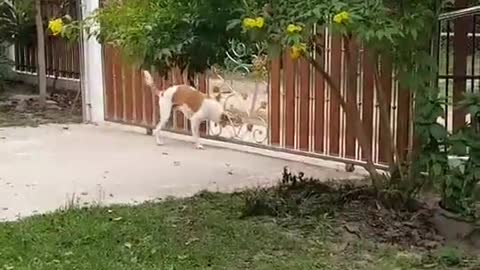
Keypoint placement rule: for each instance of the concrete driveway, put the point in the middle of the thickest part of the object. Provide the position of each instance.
(45, 168)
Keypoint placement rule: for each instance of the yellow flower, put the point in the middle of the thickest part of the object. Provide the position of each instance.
(259, 22)
(55, 26)
(293, 29)
(249, 23)
(342, 17)
(298, 50)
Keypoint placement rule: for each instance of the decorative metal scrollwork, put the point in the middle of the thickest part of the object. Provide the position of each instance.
(248, 123)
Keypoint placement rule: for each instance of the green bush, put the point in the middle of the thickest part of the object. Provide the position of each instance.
(17, 23)
(5, 66)
(190, 35)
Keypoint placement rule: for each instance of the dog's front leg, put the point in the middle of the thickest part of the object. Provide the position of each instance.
(195, 123)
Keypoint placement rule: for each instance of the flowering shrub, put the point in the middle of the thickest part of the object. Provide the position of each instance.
(400, 31)
(190, 35)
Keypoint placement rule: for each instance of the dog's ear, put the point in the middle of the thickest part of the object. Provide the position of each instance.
(218, 97)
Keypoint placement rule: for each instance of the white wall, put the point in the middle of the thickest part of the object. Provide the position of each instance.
(92, 73)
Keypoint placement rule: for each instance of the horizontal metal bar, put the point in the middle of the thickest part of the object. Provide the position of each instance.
(467, 77)
(459, 13)
(282, 149)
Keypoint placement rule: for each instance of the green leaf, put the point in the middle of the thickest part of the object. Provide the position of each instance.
(274, 50)
(233, 23)
(437, 169)
(458, 149)
(438, 131)
(449, 192)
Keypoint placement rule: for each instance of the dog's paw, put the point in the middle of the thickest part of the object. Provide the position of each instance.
(199, 146)
(160, 142)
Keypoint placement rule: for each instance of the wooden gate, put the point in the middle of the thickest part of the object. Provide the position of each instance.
(129, 101)
(303, 116)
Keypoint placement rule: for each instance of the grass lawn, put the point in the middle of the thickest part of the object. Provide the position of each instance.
(203, 232)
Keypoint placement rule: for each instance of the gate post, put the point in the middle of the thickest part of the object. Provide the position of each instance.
(92, 71)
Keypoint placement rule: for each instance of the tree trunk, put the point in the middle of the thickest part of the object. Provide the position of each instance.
(41, 69)
(354, 114)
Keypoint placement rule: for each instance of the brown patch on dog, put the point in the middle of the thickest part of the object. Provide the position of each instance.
(188, 96)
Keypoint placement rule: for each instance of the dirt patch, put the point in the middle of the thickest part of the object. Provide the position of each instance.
(366, 218)
(352, 207)
(19, 106)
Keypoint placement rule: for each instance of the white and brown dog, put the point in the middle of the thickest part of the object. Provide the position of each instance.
(195, 105)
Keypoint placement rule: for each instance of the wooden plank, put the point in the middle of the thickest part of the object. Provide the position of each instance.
(76, 60)
(289, 109)
(319, 120)
(403, 122)
(109, 84)
(49, 55)
(350, 129)
(202, 87)
(304, 125)
(367, 100)
(274, 121)
(118, 85)
(30, 59)
(460, 53)
(138, 93)
(128, 92)
(21, 58)
(17, 56)
(68, 60)
(334, 121)
(384, 151)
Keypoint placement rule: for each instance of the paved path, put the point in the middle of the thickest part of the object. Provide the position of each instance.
(42, 169)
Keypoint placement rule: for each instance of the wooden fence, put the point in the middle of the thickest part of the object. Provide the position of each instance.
(304, 117)
(62, 57)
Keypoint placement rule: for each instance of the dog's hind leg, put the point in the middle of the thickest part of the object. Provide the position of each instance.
(165, 111)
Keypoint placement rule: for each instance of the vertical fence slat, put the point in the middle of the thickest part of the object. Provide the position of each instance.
(403, 122)
(351, 69)
(109, 84)
(367, 100)
(319, 117)
(202, 87)
(384, 151)
(118, 85)
(336, 71)
(148, 100)
(21, 58)
(138, 92)
(460, 48)
(274, 110)
(17, 56)
(289, 78)
(30, 60)
(304, 125)
(128, 94)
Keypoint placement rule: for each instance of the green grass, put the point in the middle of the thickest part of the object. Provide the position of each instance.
(203, 232)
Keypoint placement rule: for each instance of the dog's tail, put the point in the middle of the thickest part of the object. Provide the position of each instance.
(148, 79)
